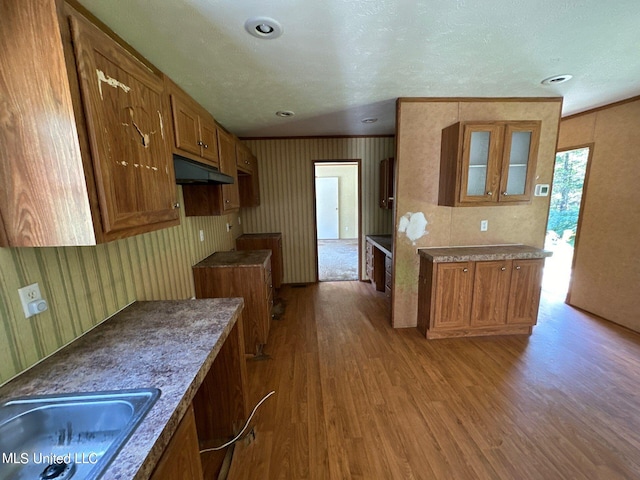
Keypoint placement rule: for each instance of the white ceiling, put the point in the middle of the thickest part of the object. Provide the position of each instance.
(339, 61)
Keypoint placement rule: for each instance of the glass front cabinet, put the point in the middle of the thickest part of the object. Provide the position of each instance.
(488, 163)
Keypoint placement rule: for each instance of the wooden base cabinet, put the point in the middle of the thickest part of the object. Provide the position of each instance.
(266, 241)
(245, 274)
(474, 298)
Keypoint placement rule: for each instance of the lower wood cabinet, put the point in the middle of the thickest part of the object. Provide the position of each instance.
(266, 241)
(181, 458)
(217, 413)
(478, 297)
(243, 273)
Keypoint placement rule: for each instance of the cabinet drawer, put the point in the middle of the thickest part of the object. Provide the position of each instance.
(388, 264)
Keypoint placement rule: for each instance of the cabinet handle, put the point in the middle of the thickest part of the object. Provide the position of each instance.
(518, 267)
(504, 194)
(205, 145)
(490, 193)
(200, 143)
(503, 269)
(465, 270)
(176, 205)
(227, 201)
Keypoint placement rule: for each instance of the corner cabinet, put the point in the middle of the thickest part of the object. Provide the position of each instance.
(488, 163)
(85, 155)
(476, 291)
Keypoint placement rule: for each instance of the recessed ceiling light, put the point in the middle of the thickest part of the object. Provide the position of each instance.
(285, 113)
(263, 27)
(369, 120)
(557, 79)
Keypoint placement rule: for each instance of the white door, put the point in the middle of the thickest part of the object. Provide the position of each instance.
(327, 213)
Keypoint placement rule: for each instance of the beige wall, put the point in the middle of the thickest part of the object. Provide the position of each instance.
(347, 196)
(606, 274)
(85, 285)
(419, 130)
(286, 189)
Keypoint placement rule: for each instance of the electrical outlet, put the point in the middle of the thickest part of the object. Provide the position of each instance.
(202, 235)
(239, 220)
(31, 300)
(484, 225)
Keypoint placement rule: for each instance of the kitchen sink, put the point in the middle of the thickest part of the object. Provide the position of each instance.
(71, 436)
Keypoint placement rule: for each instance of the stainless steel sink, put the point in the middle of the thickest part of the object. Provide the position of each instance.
(68, 436)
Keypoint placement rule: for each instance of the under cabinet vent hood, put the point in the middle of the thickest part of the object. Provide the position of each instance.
(189, 172)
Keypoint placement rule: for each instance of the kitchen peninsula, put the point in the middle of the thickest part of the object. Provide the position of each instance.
(479, 290)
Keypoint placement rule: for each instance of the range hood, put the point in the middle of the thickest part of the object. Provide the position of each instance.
(189, 172)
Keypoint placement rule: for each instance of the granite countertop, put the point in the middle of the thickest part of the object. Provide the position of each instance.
(383, 242)
(482, 253)
(239, 258)
(168, 345)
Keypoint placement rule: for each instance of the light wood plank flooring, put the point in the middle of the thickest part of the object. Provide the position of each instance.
(356, 399)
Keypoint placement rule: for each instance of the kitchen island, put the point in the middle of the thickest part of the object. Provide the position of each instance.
(479, 290)
(175, 346)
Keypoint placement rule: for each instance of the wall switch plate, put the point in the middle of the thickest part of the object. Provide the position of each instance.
(541, 190)
(484, 225)
(239, 220)
(228, 227)
(31, 299)
(202, 235)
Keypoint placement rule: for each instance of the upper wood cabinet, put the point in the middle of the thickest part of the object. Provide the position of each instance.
(82, 141)
(227, 152)
(248, 179)
(488, 163)
(194, 129)
(385, 191)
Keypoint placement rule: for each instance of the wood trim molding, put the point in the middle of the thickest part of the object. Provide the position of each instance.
(476, 99)
(319, 137)
(603, 107)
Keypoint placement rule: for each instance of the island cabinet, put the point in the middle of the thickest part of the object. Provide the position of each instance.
(85, 157)
(247, 274)
(488, 163)
(471, 291)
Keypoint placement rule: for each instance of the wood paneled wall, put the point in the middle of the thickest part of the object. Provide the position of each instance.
(606, 272)
(286, 188)
(85, 285)
(419, 131)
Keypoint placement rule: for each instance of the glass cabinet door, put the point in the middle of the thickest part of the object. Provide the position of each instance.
(480, 163)
(520, 148)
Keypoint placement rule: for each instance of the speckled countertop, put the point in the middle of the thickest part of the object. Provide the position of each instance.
(482, 253)
(239, 258)
(168, 345)
(383, 242)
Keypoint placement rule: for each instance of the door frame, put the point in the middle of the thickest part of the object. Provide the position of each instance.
(591, 147)
(358, 165)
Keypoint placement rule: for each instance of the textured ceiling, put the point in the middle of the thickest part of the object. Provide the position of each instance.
(339, 61)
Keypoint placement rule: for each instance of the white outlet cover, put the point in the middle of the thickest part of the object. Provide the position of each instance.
(202, 235)
(484, 225)
(29, 294)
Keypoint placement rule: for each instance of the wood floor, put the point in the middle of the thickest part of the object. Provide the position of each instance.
(357, 399)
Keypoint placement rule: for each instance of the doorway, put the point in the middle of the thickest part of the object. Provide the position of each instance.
(564, 218)
(337, 212)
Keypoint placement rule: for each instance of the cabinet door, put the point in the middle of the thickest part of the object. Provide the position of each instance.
(185, 126)
(524, 292)
(490, 293)
(454, 287)
(519, 160)
(123, 106)
(181, 458)
(385, 199)
(209, 141)
(227, 151)
(480, 176)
